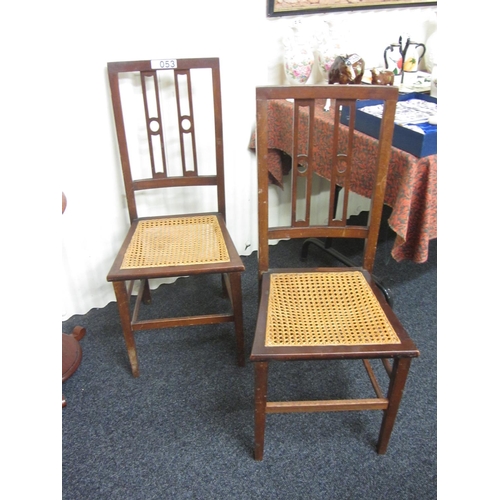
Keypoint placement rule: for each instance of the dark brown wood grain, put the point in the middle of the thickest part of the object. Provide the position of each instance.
(160, 177)
(396, 356)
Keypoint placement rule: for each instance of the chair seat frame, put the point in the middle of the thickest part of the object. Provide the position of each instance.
(396, 359)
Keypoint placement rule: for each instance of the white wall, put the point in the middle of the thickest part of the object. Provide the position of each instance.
(61, 50)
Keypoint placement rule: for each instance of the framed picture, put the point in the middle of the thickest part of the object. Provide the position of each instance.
(296, 7)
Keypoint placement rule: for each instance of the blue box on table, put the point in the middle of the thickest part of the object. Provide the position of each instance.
(416, 143)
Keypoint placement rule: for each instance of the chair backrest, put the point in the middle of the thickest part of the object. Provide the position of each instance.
(318, 142)
(160, 144)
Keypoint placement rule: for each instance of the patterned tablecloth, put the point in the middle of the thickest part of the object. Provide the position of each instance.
(411, 184)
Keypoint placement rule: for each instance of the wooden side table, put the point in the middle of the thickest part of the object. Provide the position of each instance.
(71, 349)
(71, 354)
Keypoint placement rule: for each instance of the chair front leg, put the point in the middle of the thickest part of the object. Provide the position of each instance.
(261, 370)
(400, 369)
(237, 304)
(122, 300)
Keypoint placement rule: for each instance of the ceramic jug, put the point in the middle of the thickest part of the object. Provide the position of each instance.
(400, 58)
(393, 58)
(414, 53)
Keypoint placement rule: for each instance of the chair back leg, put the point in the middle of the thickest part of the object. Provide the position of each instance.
(261, 370)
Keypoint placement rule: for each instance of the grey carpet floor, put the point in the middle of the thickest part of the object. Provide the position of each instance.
(184, 428)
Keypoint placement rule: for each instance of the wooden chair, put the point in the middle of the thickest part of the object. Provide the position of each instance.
(318, 314)
(174, 160)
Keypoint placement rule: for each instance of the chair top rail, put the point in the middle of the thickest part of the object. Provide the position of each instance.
(327, 91)
(145, 65)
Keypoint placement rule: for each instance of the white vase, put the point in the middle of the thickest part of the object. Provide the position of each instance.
(434, 81)
(298, 58)
(430, 56)
(328, 49)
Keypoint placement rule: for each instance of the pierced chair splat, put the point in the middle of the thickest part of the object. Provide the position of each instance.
(329, 313)
(174, 163)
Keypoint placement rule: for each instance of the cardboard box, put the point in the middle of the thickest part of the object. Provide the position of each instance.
(404, 138)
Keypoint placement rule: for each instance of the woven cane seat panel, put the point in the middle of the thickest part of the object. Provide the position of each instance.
(326, 308)
(175, 242)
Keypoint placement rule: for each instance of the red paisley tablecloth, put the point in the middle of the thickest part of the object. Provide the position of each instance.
(411, 184)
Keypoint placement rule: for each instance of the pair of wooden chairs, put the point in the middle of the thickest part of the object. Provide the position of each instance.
(304, 314)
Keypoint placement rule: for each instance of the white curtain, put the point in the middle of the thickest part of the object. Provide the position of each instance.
(83, 137)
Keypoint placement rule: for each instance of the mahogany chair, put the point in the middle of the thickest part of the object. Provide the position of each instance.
(169, 158)
(319, 314)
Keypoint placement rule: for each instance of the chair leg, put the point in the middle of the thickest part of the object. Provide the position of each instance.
(261, 370)
(122, 300)
(146, 294)
(237, 303)
(225, 291)
(400, 369)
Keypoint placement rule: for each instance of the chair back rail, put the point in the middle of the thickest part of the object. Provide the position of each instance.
(307, 143)
(156, 119)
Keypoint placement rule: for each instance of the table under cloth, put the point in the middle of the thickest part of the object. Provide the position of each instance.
(411, 189)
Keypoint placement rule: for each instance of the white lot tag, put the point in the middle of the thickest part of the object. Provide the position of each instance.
(164, 64)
